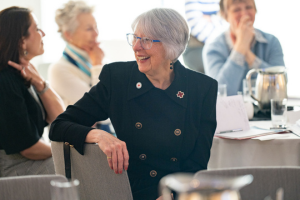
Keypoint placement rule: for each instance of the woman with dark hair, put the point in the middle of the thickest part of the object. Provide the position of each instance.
(27, 104)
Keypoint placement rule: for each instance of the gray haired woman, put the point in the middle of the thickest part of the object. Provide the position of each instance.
(82, 60)
(164, 114)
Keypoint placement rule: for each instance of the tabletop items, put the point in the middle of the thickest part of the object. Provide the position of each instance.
(271, 83)
(64, 190)
(279, 113)
(198, 187)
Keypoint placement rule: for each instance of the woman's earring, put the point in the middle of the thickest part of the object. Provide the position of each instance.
(25, 53)
(171, 65)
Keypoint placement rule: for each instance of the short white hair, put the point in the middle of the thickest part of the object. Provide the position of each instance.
(166, 25)
(66, 17)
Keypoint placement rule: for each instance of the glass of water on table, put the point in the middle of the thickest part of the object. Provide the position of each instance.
(279, 113)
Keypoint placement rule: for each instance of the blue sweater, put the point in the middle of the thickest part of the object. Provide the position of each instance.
(229, 67)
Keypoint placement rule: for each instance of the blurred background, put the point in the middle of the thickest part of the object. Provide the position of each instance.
(114, 18)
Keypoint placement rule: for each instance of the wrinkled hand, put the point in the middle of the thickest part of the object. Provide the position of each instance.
(29, 73)
(96, 53)
(115, 149)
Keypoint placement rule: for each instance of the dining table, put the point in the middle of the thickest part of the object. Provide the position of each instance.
(265, 151)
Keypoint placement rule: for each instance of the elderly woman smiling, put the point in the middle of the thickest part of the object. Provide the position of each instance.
(164, 114)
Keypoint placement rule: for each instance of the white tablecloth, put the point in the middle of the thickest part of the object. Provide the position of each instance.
(283, 151)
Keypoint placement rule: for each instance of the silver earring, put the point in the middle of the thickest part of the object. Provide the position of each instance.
(25, 53)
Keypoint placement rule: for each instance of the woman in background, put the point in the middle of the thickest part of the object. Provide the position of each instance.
(80, 66)
(82, 61)
(27, 104)
(232, 54)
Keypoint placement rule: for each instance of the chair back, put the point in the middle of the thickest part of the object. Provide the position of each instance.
(97, 180)
(266, 181)
(32, 187)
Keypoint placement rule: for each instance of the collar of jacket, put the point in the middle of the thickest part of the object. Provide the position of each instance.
(179, 84)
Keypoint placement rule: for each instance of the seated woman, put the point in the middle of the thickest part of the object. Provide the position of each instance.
(232, 54)
(80, 66)
(164, 114)
(27, 103)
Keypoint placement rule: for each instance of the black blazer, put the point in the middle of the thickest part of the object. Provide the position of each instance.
(165, 131)
(21, 118)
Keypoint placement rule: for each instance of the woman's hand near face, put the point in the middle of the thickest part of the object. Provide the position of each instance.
(51, 101)
(29, 73)
(115, 149)
(96, 53)
(244, 35)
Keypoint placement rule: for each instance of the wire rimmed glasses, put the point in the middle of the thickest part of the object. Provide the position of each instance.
(145, 42)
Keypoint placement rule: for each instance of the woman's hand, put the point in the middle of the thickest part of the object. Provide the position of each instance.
(51, 101)
(115, 149)
(244, 35)
(29, 73)
(96, 53)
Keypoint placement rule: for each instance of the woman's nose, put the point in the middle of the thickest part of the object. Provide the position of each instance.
(43, 33)
(137, 46)
(244, 12)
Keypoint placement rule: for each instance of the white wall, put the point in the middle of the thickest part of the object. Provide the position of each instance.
(281, 18)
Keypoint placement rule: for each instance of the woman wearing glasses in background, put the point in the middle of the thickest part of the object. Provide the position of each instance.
(27, 104)
(164, 114)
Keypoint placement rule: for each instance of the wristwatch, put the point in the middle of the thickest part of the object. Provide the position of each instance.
(46, 83)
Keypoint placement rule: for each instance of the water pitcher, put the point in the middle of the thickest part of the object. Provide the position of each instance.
(271, 83)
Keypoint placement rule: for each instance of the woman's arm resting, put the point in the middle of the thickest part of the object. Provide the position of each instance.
(38, 151)
(115, 149)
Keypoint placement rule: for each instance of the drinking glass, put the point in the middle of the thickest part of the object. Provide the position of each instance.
(279, 113)
(64, 190)
(246, 93)
(222, 90)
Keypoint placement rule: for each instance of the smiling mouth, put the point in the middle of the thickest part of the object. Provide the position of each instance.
(142, 58)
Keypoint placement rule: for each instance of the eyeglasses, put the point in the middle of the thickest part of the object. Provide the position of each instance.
(145, 42)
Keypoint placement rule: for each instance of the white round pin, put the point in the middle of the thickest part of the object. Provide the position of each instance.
(138, 85)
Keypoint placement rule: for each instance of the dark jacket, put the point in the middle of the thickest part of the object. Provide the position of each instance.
(21, 118)
(165, 131)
